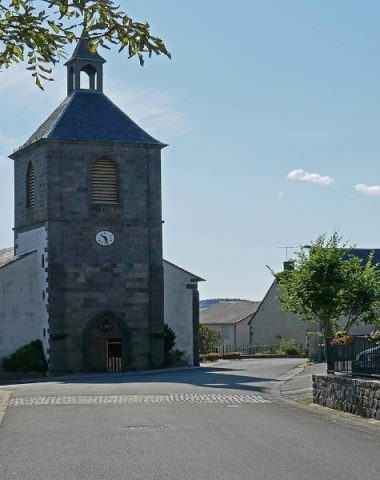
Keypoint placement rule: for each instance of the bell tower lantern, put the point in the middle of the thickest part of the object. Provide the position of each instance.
(85, 68)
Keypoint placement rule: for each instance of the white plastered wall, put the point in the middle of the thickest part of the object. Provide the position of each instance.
(22, 308)
(242, 331)
(271, 323)
(178, 309)
(31, 240)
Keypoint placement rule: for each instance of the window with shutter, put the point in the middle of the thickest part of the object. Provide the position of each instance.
(104, 182)
(30, 186)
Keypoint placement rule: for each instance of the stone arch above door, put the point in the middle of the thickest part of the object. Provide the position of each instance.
(104, 329)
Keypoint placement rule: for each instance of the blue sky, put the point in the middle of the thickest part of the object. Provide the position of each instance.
(259, 95)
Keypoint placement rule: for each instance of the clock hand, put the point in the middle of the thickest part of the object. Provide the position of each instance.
(105, 238)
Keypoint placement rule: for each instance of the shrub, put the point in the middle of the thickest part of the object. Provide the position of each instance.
(29, 358)
(288, 347)
(169, 339)
(374, 336)
(175, 356)
(171, 356)
(209, 357)
(232, 356)
(208, 339)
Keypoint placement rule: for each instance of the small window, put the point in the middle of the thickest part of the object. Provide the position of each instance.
(30, 186)
(104, 182)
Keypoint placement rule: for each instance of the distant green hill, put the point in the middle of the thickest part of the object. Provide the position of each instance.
(209, 302)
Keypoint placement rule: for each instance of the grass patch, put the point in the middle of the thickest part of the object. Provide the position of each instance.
(305, 401)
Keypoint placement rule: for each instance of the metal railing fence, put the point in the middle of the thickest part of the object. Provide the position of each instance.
(248, 350)
(362, 357)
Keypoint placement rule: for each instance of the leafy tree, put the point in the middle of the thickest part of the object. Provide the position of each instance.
(208, 339)
(328, 283)
(39, 30)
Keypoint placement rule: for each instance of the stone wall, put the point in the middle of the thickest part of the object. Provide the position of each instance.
(84, 278)
(352, 395)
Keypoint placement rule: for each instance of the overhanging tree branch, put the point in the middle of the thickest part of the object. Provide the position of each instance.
(39, 31)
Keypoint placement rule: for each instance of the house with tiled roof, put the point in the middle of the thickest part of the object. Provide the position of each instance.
(231, 319)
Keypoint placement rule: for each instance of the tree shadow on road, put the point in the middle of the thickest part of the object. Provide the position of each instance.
(208, 377)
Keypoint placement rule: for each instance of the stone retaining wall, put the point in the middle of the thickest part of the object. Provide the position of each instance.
(352, 395)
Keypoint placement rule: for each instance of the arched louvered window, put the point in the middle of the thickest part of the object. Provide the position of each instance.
(30, 186)
(104, 182)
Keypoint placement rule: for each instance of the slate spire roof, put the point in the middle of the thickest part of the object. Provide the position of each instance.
(82, 50)
(86, 113)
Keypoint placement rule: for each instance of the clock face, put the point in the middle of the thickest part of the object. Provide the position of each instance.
(104, 238)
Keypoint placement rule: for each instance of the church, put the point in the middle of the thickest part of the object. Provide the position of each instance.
(86, 275)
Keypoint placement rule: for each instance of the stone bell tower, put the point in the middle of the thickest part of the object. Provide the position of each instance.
(88, 199)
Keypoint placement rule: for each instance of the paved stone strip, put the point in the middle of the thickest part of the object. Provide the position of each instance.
(5, 395)
(193, 398)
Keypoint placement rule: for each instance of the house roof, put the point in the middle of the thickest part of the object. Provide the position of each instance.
(7, 256)
(228, 312)
(194, 278)
(363, 253)
(263, 301)
(91, 116)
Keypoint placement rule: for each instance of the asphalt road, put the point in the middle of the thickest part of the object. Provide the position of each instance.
(221, 422)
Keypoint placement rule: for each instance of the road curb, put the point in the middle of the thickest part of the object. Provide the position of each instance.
(277, 384)
(276, 387)
(291, 374)
(5, 396)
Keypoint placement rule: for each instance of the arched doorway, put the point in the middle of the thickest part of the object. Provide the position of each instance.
(105, 344)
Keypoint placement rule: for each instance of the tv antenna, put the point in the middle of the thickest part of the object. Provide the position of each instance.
(293, 248)
(286, 250)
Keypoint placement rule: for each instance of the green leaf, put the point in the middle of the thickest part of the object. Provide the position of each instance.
(42, 35)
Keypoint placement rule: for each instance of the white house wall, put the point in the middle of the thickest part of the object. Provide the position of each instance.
(22, 308)
(227, 332)
(37, 240)
(270, 323)
(242, 332)
(232, 333)
(178, 309)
